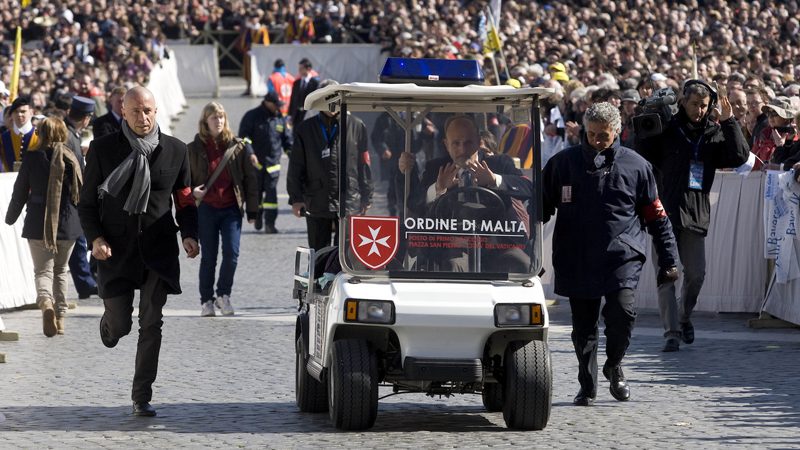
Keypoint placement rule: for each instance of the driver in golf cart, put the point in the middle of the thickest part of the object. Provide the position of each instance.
(465, 187)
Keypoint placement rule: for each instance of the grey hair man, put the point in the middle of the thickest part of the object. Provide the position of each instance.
(604, 193)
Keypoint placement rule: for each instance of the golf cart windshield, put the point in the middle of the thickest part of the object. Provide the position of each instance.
(454, 180)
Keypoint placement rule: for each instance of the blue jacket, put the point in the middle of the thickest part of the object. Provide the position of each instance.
(269, 133)
(599, 243)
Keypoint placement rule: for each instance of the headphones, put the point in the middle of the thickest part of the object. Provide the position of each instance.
(712, 92)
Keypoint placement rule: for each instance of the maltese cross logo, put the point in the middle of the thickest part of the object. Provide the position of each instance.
(373, 239)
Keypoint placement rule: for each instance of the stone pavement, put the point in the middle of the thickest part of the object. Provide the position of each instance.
(229, 381)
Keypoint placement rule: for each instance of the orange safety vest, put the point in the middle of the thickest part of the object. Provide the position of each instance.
(283, 86)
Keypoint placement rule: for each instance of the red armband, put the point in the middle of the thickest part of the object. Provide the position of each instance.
(183, 198)
(653, 211)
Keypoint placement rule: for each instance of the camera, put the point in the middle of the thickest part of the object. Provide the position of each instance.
(654, 113)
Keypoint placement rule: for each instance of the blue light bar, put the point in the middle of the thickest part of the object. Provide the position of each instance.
(432, 72)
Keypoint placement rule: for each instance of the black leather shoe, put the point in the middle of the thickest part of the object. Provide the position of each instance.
(87, 294)
(671, 345)
(270, 229)
(108, 341)
(687, 332)
(619, 387)
(143, 409)
(582, 399)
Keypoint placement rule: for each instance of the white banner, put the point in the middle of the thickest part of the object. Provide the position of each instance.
(780, 218)
(344, 63)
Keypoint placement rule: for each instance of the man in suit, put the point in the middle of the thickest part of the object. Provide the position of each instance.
(306, 83)
(111, 122)
(130, 182)
(465, 166)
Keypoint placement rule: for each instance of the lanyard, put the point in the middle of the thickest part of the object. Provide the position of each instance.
(695, 145)
(334, 129)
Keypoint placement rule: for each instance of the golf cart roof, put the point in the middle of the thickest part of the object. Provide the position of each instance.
(375, 96)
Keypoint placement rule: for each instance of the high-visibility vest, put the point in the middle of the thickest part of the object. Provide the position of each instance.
(283, 86)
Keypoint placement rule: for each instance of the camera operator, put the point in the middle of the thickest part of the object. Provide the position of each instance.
(686, 155)
(775, 135)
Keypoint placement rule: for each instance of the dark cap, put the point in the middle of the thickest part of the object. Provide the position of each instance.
(19, 102)
(272, 97)
(81, 105)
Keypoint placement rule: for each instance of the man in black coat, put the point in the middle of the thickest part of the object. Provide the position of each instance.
(126, 212)
(685, 158)
(305, 84)
(604, 193)
(464, 166)
(111, 122)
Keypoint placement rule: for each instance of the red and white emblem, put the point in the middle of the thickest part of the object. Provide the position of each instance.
(373, 239)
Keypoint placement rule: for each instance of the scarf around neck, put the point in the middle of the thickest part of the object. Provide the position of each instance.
(62, 155)
(135, 166)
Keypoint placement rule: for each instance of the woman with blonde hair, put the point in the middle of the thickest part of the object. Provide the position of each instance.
(49, 183)
(225, 185)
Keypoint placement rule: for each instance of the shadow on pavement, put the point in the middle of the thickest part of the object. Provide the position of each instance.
(268, 417)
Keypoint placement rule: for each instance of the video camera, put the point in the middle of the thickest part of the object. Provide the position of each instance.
(654, 113)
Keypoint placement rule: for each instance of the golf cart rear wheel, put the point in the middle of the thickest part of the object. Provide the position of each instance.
(528, 385)
(353, 385)
(310, 394)
(492, 396)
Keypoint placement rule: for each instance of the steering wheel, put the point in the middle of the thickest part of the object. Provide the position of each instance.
(477, 202)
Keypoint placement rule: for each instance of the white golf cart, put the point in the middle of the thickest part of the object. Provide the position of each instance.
(396, 311)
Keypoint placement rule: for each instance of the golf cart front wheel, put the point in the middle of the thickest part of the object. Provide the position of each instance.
(353, 385)
(528, 385)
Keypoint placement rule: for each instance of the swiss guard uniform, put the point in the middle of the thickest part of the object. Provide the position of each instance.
(15, 142)
(603, 200)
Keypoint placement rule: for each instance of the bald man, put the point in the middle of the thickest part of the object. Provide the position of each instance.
(132, 178)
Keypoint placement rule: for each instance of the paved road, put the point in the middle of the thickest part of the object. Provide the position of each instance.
(229, 382)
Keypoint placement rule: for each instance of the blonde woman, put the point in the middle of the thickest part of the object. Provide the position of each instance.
(221, 203)
(49, 183)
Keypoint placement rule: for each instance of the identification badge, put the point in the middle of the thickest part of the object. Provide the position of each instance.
(326, 153)
(279, 128)
(696, 175)
(566, 194)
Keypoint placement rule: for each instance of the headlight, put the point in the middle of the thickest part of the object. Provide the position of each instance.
(369, 311)
(518, 315)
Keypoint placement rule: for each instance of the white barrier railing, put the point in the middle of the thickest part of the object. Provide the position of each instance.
(198, 69)
(16, 277)
(166, 89)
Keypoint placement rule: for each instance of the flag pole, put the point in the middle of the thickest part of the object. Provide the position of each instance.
(499, 47)
(15, 71)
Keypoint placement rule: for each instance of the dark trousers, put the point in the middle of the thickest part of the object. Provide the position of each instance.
(320, 230)
(80, 270)
(268, 196)
(619, 315)
(117, 321)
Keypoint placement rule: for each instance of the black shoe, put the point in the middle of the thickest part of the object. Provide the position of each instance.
(672, 344)
(270, 229)
(582, 399)
(619, 387)
(143, 409)
(259, 220)
(87, 294)
(687, 332)
(108, 341)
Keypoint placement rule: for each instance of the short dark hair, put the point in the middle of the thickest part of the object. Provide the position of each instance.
(697, 89)
(305, 62)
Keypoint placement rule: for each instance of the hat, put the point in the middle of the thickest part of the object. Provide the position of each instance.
(272, 97)
(3, 90)
(781, 105)
(82, 105)
(630, 95)
(19, 102)
(558, 72)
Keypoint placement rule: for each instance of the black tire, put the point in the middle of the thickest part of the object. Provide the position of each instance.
(310, 394)
(528, 385)
(492, 396)
(353, 385)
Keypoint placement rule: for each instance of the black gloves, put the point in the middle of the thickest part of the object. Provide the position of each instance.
(665, 275)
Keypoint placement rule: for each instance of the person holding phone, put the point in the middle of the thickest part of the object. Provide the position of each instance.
(787, 154)
(780, 114)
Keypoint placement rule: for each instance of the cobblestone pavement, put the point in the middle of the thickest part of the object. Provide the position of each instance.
(229, 381)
